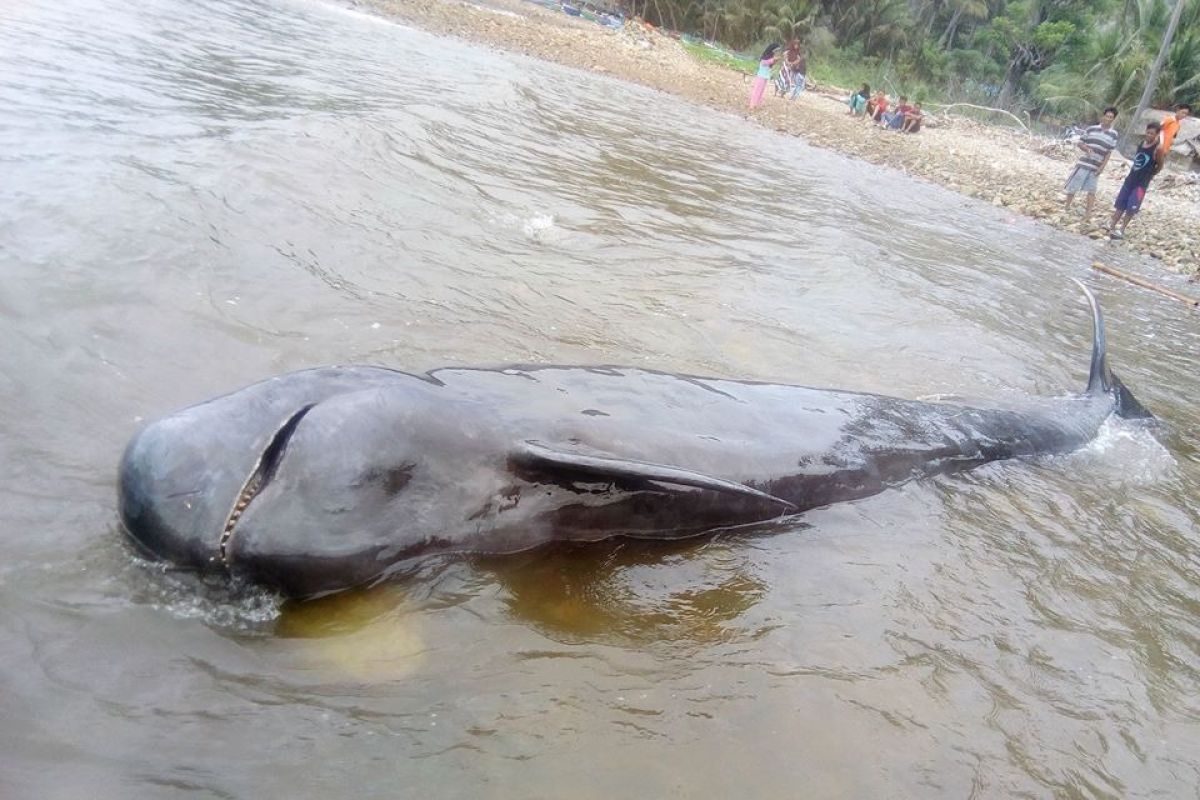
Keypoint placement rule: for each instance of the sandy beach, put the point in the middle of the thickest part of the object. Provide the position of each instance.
(1003, 166)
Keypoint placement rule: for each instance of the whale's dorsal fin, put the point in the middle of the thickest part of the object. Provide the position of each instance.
(588, 463)
(1100, 378)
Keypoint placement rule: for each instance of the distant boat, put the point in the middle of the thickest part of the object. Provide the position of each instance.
(569, 9)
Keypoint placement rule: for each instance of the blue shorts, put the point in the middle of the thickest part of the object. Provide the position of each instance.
(1130, 198)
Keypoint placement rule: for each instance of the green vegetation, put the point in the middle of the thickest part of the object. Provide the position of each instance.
(1058, 59)
(718, 55)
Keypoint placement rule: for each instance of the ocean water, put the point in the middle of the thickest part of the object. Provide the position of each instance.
(199, 195)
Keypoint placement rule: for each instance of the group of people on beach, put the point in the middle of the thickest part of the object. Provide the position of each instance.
(791, 79)
(896, 116)
(1097, 144)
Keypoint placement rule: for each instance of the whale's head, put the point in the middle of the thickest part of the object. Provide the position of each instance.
(317, 480)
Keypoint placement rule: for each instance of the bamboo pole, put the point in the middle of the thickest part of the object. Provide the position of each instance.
(1145, 284)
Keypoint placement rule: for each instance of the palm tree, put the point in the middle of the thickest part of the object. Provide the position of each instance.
(792, 18)
(879, 24)
(1155, 69)
(973, 10)
(1182, 69)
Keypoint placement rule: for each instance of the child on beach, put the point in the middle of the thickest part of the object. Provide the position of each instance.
(858, 100)
(877, 106)
(765, 62)
(796, 67)
(894, 119)
(785, 79)
(912, 119)
(1170, 127)
(1133, 190)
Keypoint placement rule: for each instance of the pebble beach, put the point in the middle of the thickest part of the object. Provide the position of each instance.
(1005, 166)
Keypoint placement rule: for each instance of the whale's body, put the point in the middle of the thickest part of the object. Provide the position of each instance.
(326, 478)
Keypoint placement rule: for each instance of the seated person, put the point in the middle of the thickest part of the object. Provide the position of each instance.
(877, 105)
(912, 120)
(894, 119)
(858, 100)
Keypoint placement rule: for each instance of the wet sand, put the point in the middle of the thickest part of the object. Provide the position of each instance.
(1003, 166)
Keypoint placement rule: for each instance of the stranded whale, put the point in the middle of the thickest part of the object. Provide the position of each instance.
(327, 478)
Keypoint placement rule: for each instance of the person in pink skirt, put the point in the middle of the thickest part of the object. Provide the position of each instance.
(765, 62)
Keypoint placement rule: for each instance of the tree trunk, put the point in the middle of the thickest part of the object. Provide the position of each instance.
(1152, 80)
(1012, 80)
(934, 8)
(948, 36)
(1020, 61)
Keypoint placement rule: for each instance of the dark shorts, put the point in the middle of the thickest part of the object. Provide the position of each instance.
(1130, 198)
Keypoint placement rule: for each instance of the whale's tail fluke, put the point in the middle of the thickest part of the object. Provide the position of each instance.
(1101, 379)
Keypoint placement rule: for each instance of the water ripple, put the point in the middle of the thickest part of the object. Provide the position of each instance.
(200, 194)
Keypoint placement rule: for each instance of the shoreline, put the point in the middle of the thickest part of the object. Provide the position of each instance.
(999, 165)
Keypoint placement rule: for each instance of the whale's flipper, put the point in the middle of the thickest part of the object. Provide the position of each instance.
(601, 466)
(1100, 377)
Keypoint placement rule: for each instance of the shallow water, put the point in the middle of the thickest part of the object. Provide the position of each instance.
(198, 195)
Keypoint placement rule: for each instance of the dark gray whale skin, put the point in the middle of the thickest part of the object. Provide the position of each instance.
(328, 478)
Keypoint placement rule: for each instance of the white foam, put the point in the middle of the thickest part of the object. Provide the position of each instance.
(234, 606)
(1127, 453)
(540, 227)
(245, 613)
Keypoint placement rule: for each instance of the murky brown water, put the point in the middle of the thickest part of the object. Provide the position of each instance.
(197, 195)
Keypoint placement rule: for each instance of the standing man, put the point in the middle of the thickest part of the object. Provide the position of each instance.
(1133, 190)
(1170, 127)
(1097, 144)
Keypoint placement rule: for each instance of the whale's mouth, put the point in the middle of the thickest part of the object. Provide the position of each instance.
(264, 470)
